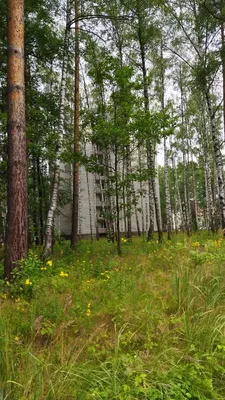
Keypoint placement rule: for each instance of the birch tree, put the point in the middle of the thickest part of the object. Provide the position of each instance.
(56, 177)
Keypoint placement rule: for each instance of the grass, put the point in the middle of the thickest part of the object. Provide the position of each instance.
(147, 325)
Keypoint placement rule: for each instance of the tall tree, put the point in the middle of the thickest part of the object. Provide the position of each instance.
(56, 180)
(16, 231)
(75, 210)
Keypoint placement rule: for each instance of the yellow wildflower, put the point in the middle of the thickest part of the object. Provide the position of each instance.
(16, 338)
(63, 274)
(43, 268)
(4, 296)
(28, 282)
(88, 312)
(196, 244)
(49, 263)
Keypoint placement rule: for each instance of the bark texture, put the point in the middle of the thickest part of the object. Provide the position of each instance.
(218, 159)
(16, 233)
(75, 211)
(56, 181)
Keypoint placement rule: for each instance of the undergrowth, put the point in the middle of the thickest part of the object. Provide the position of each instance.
(91, 325)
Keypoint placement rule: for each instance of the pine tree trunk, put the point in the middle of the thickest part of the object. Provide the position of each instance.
(16, 231)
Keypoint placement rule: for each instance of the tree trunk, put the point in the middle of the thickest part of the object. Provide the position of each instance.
(223, 70)
(54, 197)
(141, 194)
(41, 193)
(167, 191)
(16, 231)
(117, 205)
(218, 159)
(75, 211)
(153, 198)
(210, 206)
(177, 198)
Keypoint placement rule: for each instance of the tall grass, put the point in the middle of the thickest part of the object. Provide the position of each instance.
(147, 325)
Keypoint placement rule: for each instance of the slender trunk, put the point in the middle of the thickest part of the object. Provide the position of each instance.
(50, 218)
(218, 158)
(135, 210)
(157, 209)
(141, 194)
(185, 205)
(89, 201)
(167, 191)
(54, 196)
(195, 209)
(125, 215)
(16, 231)
(117, 205)
(150, 165)
(208, 186)
(129, 192)
(95, 198)
(178, 204)
(216, 198)
(75, 211)
(223, 69)
(153, 198)
(2, 227)
(40, 201)
(166, 164)
(35, 205)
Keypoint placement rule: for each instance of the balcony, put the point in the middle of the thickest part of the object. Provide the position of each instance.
(102, 231)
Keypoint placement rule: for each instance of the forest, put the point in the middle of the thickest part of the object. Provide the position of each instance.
(112, 201)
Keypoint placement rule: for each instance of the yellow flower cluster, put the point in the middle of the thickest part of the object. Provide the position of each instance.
(49, 263)
(28, 282)
(63, 274)
(43, 268)
(196, 244)
(88, 312)
(123, 240)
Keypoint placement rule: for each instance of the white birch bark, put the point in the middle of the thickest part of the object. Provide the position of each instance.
(167, 191)
(210, 207)
(218, 158)
(89, 198)
(55, 190)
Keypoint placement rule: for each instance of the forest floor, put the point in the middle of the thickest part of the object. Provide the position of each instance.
(91, 325)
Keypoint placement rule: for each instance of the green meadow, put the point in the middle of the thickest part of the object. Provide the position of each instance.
(85, 325)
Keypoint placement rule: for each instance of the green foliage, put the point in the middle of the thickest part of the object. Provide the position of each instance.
(147, 325)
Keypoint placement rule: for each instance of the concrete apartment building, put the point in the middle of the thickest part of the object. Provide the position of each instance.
(93, 202)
